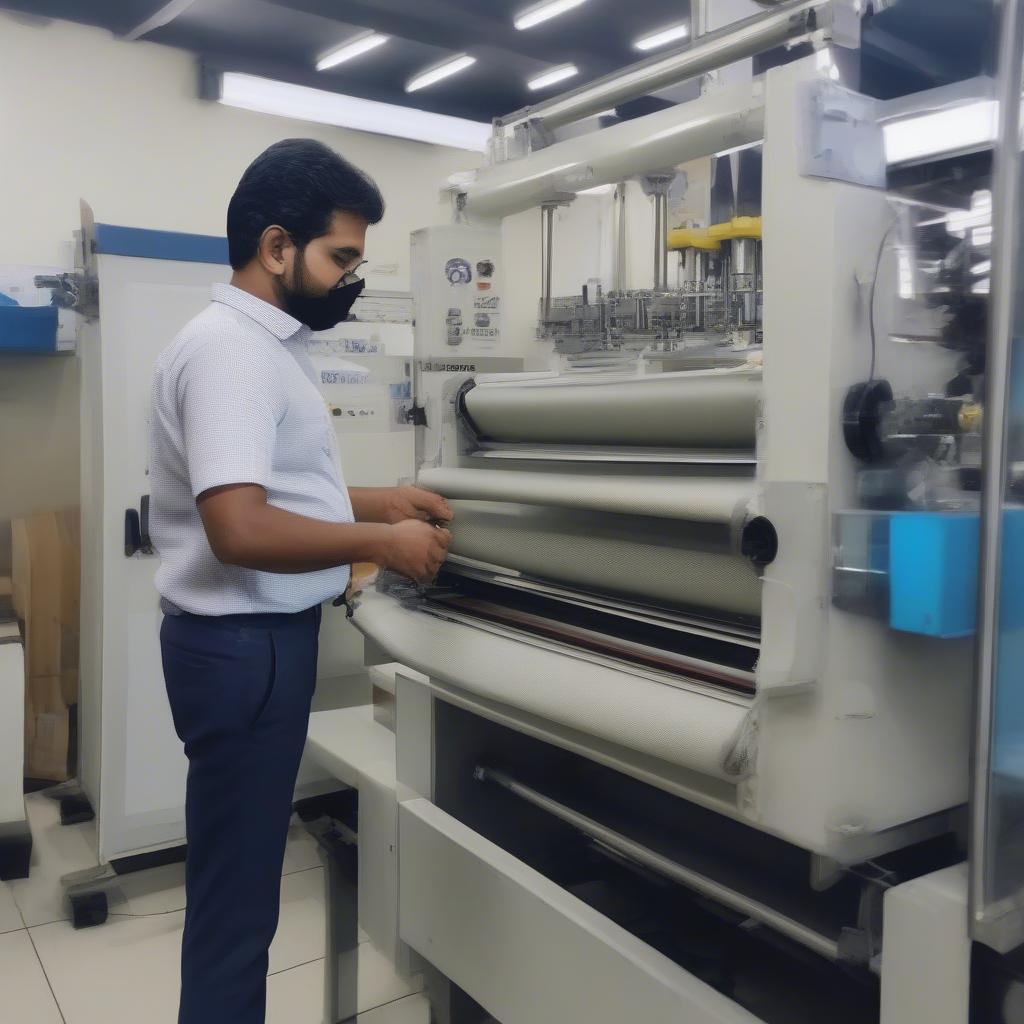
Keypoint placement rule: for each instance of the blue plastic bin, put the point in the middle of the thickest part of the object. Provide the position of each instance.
(28, 329)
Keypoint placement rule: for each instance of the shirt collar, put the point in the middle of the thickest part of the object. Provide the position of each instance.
(279, 323)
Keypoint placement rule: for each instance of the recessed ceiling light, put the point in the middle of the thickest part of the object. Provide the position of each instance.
(435, 74)
(662, 37)
(542, 12)
(353, 48)
(553, 76)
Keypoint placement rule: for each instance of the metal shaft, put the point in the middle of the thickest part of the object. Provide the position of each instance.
(663, 240)
(657, 243)
(715, 50)
(744, 277)
(648, 858)
(548, 227)
(619, 284)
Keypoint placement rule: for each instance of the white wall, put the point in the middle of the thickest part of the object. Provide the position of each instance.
(119, 124)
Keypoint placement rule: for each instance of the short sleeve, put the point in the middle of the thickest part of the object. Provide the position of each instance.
(231, 400)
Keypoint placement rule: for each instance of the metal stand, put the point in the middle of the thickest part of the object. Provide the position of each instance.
(332, 821)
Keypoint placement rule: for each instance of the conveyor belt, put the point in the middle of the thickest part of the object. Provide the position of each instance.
(692, 409)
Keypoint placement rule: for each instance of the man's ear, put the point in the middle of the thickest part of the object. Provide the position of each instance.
(274, 250)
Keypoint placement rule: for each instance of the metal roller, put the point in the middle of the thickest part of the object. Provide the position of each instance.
(688, 565)
(694, 499)
(694, 409)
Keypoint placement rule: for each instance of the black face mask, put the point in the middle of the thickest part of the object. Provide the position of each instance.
(322, 312)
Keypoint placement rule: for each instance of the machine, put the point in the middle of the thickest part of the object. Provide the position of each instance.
(133, 290)
(696, 738)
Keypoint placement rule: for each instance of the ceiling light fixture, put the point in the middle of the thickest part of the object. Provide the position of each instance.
(450, 67)
(965, 127)
(353, 48)
(662, 37)
(266, 96)
(543, 12)
(553, 76)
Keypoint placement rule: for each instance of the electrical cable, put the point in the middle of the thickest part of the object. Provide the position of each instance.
(871, 299)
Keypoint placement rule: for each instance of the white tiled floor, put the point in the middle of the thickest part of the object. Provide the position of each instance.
(127, 970)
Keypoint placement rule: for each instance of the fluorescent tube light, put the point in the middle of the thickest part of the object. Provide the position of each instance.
(662, 37)
(553, 76)
(543, 12)
(322, 107)
(436, 74)
(353, 48)
(955, 128)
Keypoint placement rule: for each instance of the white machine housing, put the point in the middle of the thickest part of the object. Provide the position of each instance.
(132, 767)
(855, 741)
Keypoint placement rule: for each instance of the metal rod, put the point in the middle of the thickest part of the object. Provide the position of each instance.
(701, 261)
(548, 228)
(714, 50)
(663, 240)
(1005, 271)
(657, 242)
(639, 854)
(619, 285)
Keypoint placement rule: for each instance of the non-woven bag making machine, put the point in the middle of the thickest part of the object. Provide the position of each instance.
(692, 736)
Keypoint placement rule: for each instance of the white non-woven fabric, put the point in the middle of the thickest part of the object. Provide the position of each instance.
(696, 731)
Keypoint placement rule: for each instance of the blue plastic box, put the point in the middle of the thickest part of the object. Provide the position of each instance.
(933, 573)
(28, 328)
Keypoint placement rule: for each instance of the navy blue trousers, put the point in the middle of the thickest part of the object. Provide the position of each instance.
(240, 688)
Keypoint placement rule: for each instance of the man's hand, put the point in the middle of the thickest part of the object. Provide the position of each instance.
(411, 502)
(244, 530)
(416, 549)
(396, 504)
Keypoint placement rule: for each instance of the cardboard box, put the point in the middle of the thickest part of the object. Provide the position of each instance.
(45, 591)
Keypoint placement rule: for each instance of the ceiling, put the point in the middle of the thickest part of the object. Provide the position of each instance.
(283, 39)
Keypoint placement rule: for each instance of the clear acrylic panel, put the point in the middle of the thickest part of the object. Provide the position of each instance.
(997, 850)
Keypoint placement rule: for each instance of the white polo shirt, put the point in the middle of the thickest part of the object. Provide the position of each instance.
(235, 400)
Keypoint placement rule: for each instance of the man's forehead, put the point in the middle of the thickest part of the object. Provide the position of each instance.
(346, 230)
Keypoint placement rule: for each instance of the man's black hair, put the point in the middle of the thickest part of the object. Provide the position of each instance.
(298, 184)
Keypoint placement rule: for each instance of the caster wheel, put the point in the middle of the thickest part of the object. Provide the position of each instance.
(74, 810)
(88, 909)
(15, 853)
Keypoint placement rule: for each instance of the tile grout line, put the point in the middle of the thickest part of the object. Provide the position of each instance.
(25, 926)
(42, 967)
(390, 1002)
(295, 967)
(369, 1009)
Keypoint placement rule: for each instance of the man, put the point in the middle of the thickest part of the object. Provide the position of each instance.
(255, 529)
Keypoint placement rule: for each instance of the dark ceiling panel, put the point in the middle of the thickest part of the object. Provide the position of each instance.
(284, 39)
(120, 16)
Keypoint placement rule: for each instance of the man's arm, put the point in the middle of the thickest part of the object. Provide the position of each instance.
(393, 504)
(243, 529)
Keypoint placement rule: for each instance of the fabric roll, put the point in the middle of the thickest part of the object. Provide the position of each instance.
(652, 561)
(714, 409)
(701, 732)
(696, 499)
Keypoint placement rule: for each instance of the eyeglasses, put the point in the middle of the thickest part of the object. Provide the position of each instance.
(350, 276)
